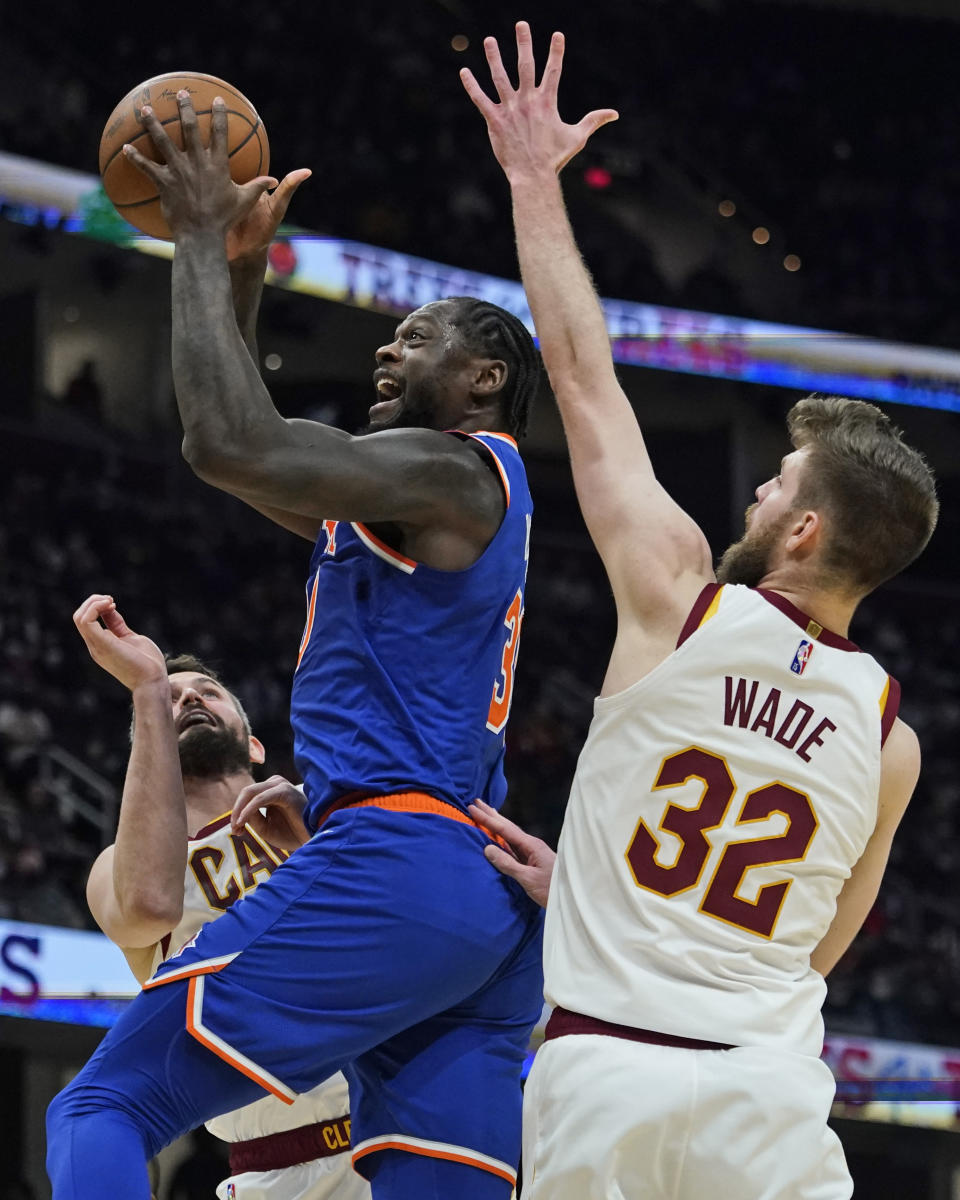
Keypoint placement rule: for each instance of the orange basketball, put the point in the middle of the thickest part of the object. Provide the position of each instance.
(133, 194)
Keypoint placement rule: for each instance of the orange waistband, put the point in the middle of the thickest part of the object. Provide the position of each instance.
(418, 802)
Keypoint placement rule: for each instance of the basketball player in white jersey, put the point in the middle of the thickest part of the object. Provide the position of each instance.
(180, 861)
(734, 804)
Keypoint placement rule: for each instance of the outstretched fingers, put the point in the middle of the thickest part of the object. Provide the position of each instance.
(249, 193)
(192, 142)
(526, 70)
(288, 185)
(550, 82)
(498, 73)
(290, 182)
(587, 126)
(152, 170)
(166, 148)
(218, 129)
(161, 140)
(476, 93)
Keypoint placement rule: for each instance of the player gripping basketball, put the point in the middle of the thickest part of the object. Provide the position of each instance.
(745, 772)
(179, 862)
(386, 945)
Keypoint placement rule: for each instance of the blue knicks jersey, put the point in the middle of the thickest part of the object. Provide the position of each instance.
(405, 673)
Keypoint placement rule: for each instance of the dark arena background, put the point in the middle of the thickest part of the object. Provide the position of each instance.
(778, 169)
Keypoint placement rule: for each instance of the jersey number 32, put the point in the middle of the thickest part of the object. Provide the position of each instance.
(721, 898)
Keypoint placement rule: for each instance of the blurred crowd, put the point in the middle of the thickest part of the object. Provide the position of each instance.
(833, 129)
(198, 572)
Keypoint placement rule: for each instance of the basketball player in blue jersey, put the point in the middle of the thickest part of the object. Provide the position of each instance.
(386, 946)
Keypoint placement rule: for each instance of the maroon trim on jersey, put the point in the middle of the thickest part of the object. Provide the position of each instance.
(211, 828)
(890, 709)
(805, 622)
(563, 1022)
(700, 606)
(275, 1151)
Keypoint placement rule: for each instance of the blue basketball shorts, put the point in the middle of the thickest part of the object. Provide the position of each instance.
(387, 947)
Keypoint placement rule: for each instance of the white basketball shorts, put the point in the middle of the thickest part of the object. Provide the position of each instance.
(610, 1119)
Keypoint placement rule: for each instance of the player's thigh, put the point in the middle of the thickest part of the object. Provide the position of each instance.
(761, 1129)
(453, 1080)
(323, 1179)
(150, 1068)
(605, 1119)
(321, 963)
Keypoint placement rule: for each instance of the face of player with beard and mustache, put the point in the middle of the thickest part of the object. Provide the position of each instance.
(423, 376)
(211, 735)
(749, 560)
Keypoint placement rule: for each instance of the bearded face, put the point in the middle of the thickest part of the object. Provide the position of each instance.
(211, 751)
(749, 560)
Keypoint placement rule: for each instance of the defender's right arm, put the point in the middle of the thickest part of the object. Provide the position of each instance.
(655, 555)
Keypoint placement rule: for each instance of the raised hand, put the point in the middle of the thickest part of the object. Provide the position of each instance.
(282, 823)
(127, 656)
(530, 861)
(252, 234)
(526, 132)
(194, 184)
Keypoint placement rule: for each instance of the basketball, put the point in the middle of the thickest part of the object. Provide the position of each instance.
(134, 195)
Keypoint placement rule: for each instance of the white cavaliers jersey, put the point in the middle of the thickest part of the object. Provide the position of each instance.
(718, 806)
(221, 867)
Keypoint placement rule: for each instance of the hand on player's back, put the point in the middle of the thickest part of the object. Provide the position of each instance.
(128, 656)
(526, 132)
(196, 191)
(282, 822)
(529, 861)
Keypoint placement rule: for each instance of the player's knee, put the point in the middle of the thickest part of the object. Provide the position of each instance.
(62, 1127)
(59, 1111)
(81, 1098)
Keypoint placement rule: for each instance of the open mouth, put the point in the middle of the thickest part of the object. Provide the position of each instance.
(391, 399)
(197, 717)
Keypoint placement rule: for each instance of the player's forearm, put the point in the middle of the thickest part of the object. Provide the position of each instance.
(566, 311)
(246, 280)
(225, 408)
(150, 853)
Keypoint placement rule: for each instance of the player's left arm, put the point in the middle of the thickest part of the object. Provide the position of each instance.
(900, 769)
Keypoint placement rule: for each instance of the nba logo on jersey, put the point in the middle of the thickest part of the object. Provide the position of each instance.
(231, 1191)
(801, 658)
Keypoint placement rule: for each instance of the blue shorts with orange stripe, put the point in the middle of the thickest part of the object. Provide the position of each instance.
(388, 947)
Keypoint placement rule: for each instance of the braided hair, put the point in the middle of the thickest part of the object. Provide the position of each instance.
(492, 332)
